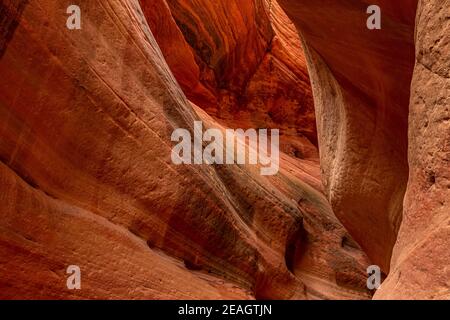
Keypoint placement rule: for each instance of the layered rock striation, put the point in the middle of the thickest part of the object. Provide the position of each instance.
(87, 178)
(241, 61)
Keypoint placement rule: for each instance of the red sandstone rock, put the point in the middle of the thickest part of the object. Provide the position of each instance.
(250, 61)
(178, 54)
(360, 80)
(421, 259)
(86, 176)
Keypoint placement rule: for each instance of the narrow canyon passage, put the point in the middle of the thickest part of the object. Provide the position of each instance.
(256, 76)
(375, 137)
(86, 135)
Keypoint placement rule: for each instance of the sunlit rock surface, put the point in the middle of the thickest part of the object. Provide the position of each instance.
(87, 179)
(421, 259)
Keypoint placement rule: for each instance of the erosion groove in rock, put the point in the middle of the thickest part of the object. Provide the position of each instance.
(10, 12)
(360, 80)
(87, 180)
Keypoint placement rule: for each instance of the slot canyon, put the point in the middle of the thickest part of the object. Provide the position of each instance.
(86, 176)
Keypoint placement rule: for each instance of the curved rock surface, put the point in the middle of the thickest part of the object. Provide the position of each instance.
(86, 176)
(379, 139)
(241, 61)
(361, 89)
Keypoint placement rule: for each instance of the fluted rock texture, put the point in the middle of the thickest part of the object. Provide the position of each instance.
(86, 177)
(362, 91)
(379, 139)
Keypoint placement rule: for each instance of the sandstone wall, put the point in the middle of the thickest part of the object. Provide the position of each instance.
(420, 263)
(241, 61)
(384, 143)
(360, 79)
(86, 177)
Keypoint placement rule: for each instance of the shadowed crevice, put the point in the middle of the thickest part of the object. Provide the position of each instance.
(10, 13)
